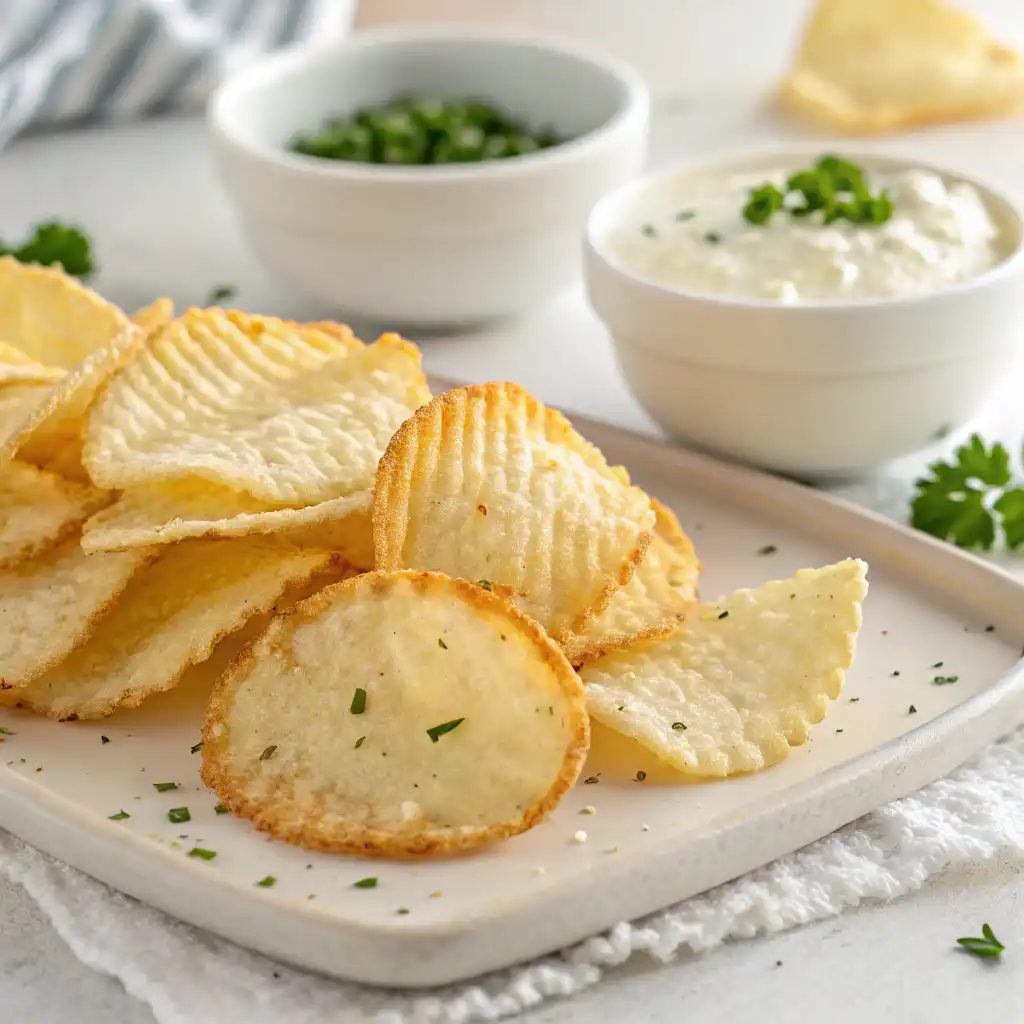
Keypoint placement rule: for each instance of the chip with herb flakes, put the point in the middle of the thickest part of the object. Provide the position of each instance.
(292, 414)
(663, 589)
(38, 510)
(51, 604)
(169, 512)
(452, 746)
(880, 65)
(486, 483)
(748, 676)
(172, 615)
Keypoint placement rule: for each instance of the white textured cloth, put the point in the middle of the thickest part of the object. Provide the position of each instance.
(189, 977)
(72, 60)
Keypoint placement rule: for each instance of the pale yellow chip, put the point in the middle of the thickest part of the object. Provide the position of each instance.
(879, 65)
(17, 402)
(53, 318)
(50, 604)
(736, 686)
(167, 513)
(423, 716)
(663, 589)
(292, 414)
(487, 484)
(171, 615)
(158, 313)
(39, 509)
(16, 366)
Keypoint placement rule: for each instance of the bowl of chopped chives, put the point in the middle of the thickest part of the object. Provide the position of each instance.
(424, 178)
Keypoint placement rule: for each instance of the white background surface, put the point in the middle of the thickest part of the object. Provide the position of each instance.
(148, 196)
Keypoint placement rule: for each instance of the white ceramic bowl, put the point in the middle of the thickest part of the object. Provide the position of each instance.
(816, 388)
(427, 246)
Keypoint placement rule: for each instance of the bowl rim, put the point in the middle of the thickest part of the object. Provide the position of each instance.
(1012, 263)
(293, 62)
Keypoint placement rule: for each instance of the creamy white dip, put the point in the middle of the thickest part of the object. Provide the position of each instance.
(690, 234)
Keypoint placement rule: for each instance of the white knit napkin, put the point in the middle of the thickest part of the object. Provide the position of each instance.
(189, 977)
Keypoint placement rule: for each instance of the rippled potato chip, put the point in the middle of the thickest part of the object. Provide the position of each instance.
(879, 65)
(738, 684)
(479, 714)
(40, 509)
(17, 402)
(293, 414)
(663, 589)
(158, 313)
(16, 366)
(169, 512)
(170, 616)
(51, 604)
(486, 484)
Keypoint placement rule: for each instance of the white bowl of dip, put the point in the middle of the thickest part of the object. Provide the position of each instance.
(809, 349)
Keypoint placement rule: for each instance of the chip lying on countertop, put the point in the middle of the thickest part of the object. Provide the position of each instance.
(403, 612)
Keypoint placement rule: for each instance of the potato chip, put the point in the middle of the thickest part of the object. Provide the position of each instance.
(479, 714)
(293, 414)
(158, 313)
(16, 366)
(878, 65)
(51, 603)
(486, 484)
(53, 318)
(39, 509)
(170, 616)
(17, 401)
(55, 419)
(663, 589)
(169, 512)
(736, 686)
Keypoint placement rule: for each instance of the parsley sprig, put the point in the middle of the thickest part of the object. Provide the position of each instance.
(833, 187)
(987, 946)
(51, 243)
(970, 499)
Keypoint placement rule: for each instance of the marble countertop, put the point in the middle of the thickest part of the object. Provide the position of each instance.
(148, 195)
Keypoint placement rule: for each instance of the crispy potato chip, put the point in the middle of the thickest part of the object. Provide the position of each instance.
(52, 603)
(486, 484)
(17, 401)
(15, 365)
(878, 65)
(736, 686)
(54, 422)
(663, 589)
(293, 414)
(39, 509)
(53, 318)
(480, 715)
(158, 313)
(170, 616)
(166, 513)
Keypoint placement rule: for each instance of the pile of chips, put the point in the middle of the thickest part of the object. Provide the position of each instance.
(409, 607)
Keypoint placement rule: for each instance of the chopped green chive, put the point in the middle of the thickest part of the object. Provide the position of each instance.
(945, 680)
(6, 732)
(439, 730)
(442, 644)
(268, 752)
(678, 727)
(987, 946)
(120, 816)
(402, 911)
(937, 664)
(267, 882)
(178, 815)
(686, 215)
(198, 851)
(712, 237)
(196, 747)
(221, 809)
(768, 549)
(649, 231)
(164, 787)
(358, 705)
(222, 293)
(365, 883)
(724, 615)
(359, 742)
(592, 780)
(641, 775)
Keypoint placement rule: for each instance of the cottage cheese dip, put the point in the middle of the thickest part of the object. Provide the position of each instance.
(689, 232)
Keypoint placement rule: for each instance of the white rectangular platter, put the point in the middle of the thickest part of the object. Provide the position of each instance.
(648, 844)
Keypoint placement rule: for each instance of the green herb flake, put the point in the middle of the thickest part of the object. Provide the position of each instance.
(768, 549)
(104, 740)
(267, 882)
(442, 644)
(649, 231)
(268, 752)
(359, 742)
(178, 815)
(358, 705)
(120, 816)
(988, 946)
(945, 680)
(402, 911)
(592, 780)
(911, 710)
(641, 775)
(937, 664)
(6, 732)
(198, 851)
(365, 883)
(164, 787)
(221, 293)
(485, 585)
(712, 237)
(196, 747)
(724, 615)
(678, 727)
(439, 730)
(221, 809)
(684, 215)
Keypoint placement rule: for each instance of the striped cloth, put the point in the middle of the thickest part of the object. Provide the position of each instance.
(67, 61)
